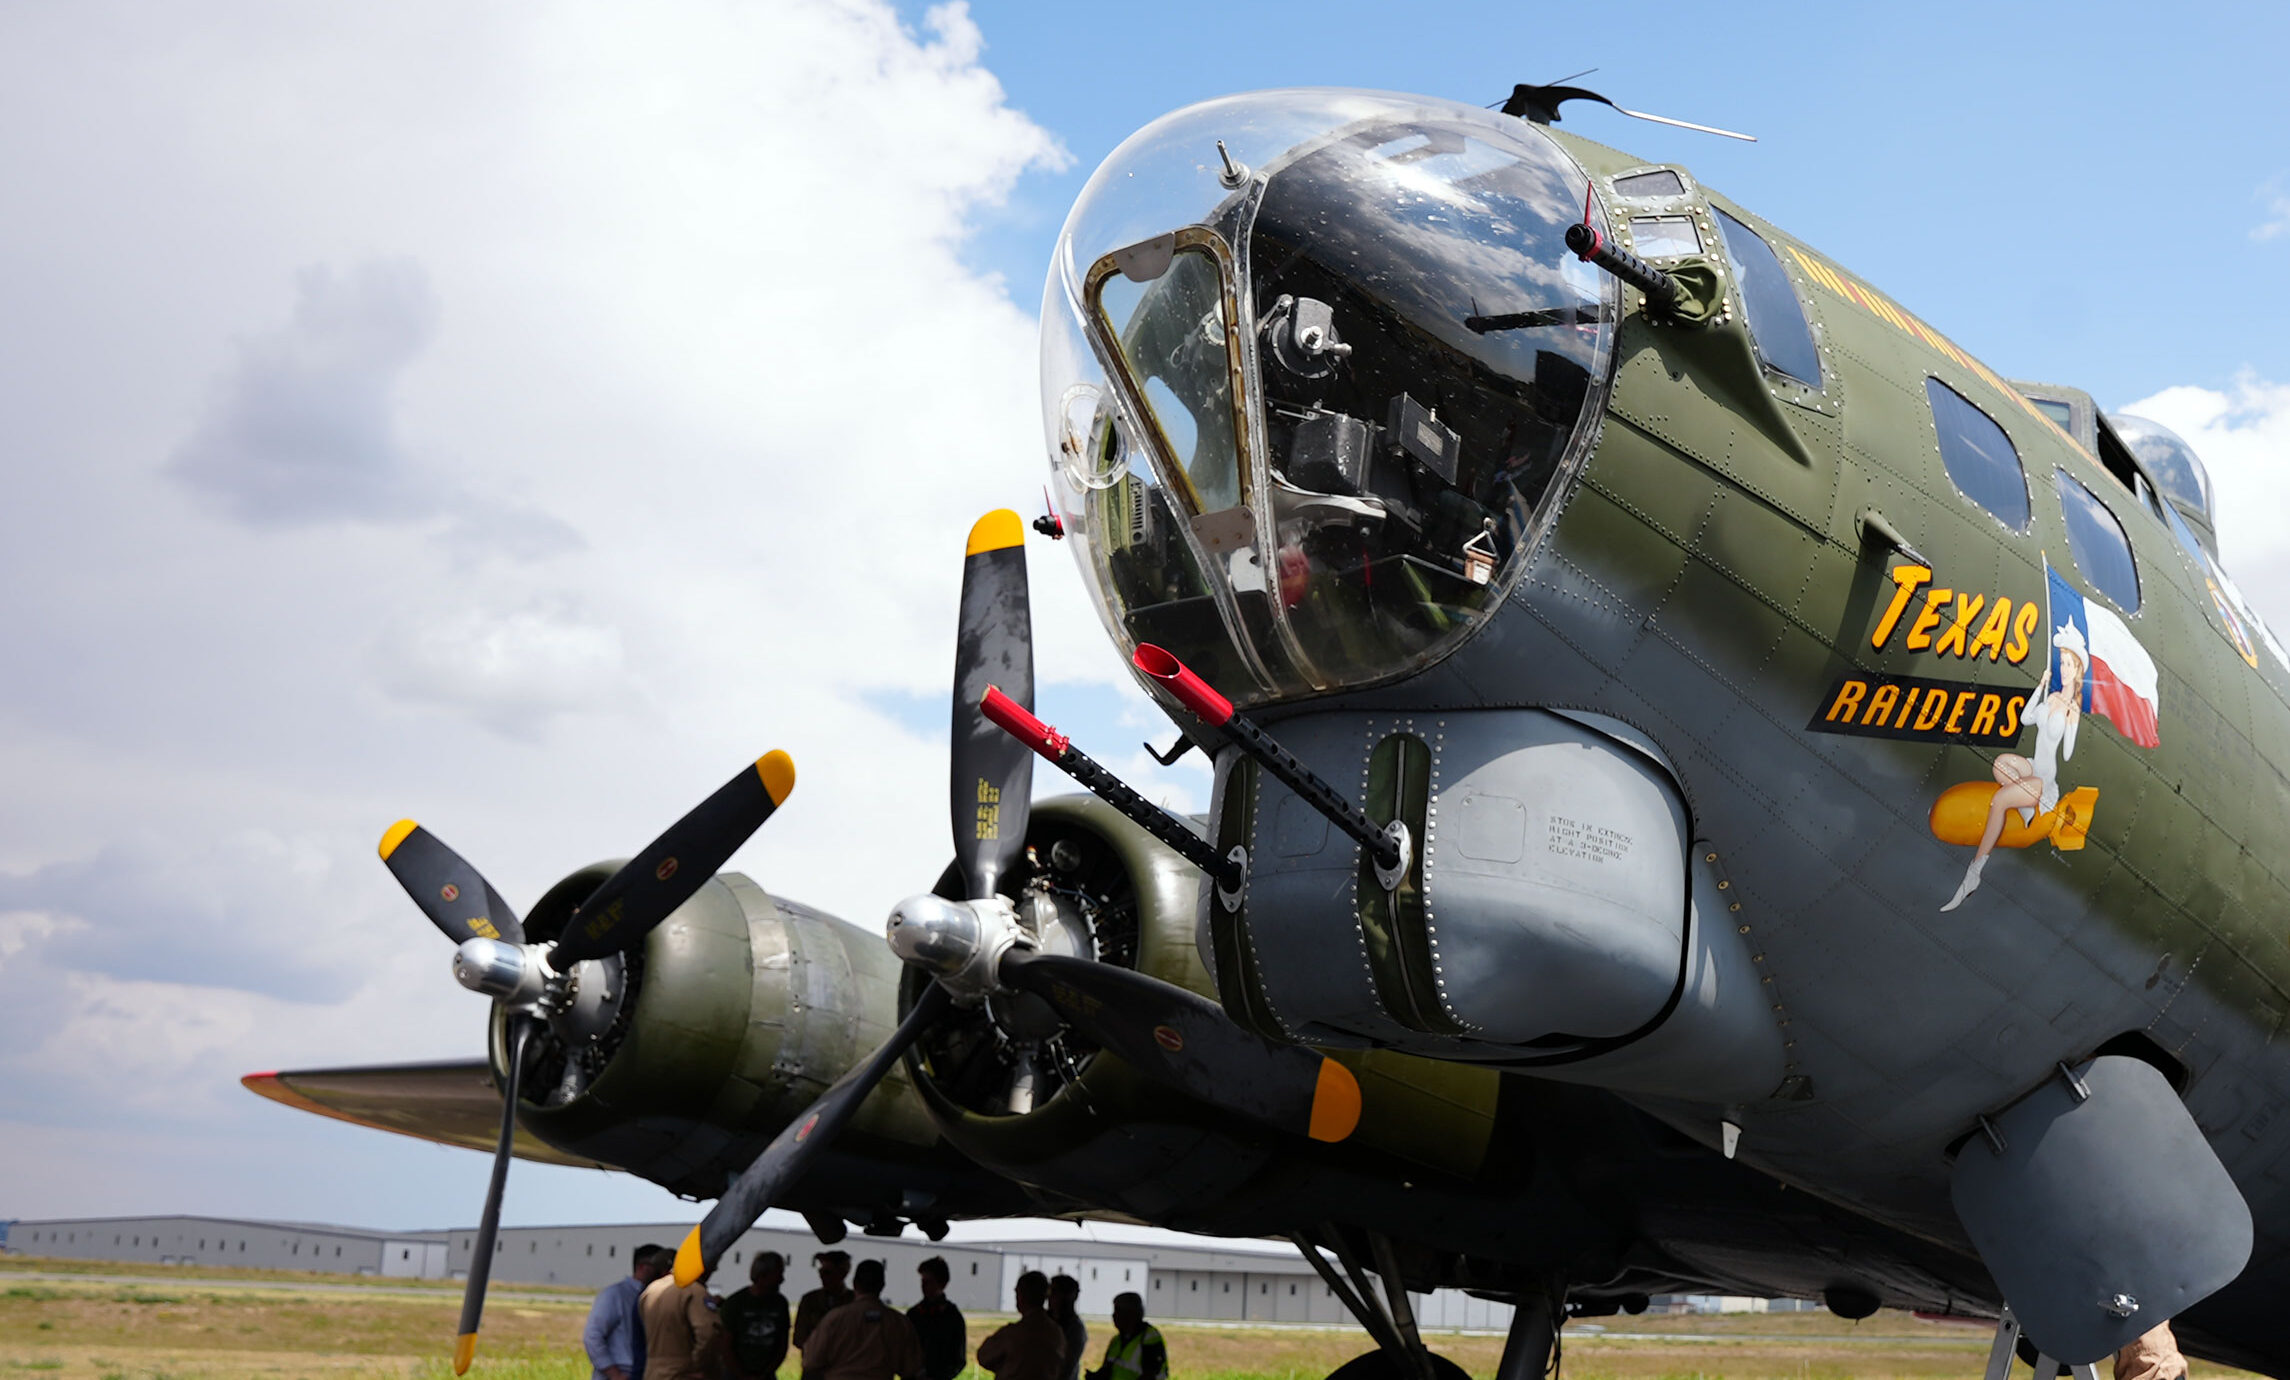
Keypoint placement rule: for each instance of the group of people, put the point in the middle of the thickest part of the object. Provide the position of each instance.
(646, 1327)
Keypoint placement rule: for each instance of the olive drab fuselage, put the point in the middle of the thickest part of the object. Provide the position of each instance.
(1776, 581)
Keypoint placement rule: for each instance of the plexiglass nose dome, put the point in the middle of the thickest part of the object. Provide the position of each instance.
(1313, 363)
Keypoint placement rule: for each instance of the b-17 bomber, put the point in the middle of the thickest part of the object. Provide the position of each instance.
(1716, 790)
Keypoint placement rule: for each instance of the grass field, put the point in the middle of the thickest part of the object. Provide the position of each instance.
(100, 1320)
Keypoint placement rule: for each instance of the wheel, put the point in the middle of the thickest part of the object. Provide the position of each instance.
(1382, 1365)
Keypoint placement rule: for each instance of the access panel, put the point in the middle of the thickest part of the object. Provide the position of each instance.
(2100, 1209)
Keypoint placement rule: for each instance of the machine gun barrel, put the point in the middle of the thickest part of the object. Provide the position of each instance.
(1591, 247)
(1387, 845)
(1058, 750)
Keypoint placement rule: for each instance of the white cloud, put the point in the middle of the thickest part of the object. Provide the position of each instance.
(514, 671)
(252, 912)
(2277, 222)
(2242, 434)
(302, 427)
(515, 419)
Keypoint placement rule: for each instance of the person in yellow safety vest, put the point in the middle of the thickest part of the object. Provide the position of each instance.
(1136, 1351)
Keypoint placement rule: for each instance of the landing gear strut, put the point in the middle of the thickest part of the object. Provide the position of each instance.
(1387, 1316)
(2008, 1347)
(1533, 1341)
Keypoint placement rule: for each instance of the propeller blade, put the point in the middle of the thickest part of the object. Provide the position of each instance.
(992, 781)
(783, 1161)
(481, 1261)
(455, 896)
(673, 866)
(1186, 1041)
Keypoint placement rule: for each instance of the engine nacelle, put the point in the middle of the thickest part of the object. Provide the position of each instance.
(744, 1005)
(1015, 1090)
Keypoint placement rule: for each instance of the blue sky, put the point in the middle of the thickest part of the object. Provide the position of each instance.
(639, 372)
(2068, 190)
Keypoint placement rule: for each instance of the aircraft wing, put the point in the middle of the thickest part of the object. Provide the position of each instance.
(451, 1103)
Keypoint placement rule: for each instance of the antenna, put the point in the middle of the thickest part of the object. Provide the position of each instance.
(1539, 105)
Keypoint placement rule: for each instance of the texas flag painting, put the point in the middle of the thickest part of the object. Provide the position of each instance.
(2119, 679)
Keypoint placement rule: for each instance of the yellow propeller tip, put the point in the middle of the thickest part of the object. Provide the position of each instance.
(778, 772)
(396, 835)
(1335, 1103)
(998, 529)
(689, 1266)
(464, 1351)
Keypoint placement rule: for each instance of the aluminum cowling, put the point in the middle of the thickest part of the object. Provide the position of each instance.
(745, 1007)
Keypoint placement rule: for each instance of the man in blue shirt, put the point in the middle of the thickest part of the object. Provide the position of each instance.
(615, 1335)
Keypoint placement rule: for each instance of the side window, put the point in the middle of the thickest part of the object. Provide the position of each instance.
(1979, 456)
(2101, 550)
(1776, 317)
(2169, 516)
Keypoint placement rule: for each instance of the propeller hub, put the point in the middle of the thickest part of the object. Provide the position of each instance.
(512, 974)
(961, 943)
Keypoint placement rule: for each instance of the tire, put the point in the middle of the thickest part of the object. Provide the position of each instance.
(1382, 1365)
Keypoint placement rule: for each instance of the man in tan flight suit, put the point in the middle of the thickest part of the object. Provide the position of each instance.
(865, 1339)
(679, 1329)
(1033, 1347)
(2154, 1356)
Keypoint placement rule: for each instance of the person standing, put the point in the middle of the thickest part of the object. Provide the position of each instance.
(755, 1320)
(1033, 1347)
(680, 1329)
(1136, 1351)
(2153, 1356)
(614, 1337)
(938, 1324)
(865, 1339)
(1065, 1292)
(829, 1296)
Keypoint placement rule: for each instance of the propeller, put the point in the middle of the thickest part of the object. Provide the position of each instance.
(990, 785)
(457, 900)
(618, 914)
(790, 1152)
(536, 982)
(1186, 1041)
(517, 1029)
(976, 949)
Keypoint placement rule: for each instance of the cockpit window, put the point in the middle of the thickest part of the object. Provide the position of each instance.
(1776, 317)
(1172, 330)
(2101, 550)
(2062, 414)
(2180, 533)
(1979, 456)
(1410, 447)
(1314, 364)
(2169, 459)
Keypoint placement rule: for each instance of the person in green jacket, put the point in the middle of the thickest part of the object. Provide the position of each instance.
(1136, 1351)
